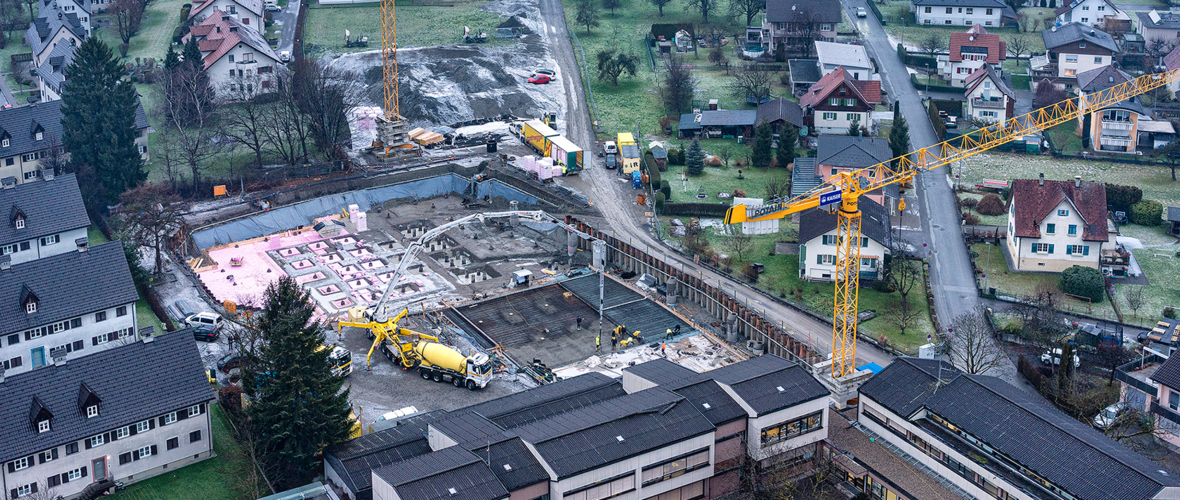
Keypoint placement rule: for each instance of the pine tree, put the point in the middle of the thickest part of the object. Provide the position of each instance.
(192, 51)
(854, 129)
(695, 162)
(763, 141)
(787, 138)
(98, 118)
(297, 406)
(172, 60)
(899, 134)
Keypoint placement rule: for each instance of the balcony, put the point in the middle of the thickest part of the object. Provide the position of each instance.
(979, 102)
(1116, 125)
(1116, 142)
(1165, 412)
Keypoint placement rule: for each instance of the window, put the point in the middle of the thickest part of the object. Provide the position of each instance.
(100, 316)
(74, 475)
(829, 116)
(31, 307)
(194, 436)
(123, 432)
(1101, 8)
(864, 241)
(1082, 45)
(173, 443)
(98, 440)
(121, 311)
(194, 410)
(1073, 229)
(825, 259)
(989, 12)
(145, 452)
(8, 162)
(868, 263)
(1098, 60)
(850, 102)
(71, 448)
(20, 223)
(32, 156)
(1071, 58)
(1070, 72)
(829, 239)
(1082, 250)
(1050, 228)
(1174, 400)
(1116, 115)
(676, 467)
(1043, 248)
(1063, 213)
(686, 492)
(7, 249)
(1085, 7)
(20, 463)
(100, 339)
(48, 456)
(970, 10)
(142, 427)
(833, 101)
(39, 135)
(852, 117)
(231, 58)
(91, 411)
(169, 418)
(4, 142)
(43, 426)
(825, 27)
(792, 428)
(24, 490)
(949, 10)
(927, 10)
(50, 240)
(604, 489)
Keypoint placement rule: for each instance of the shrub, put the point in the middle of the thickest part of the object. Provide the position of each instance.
(1122, 197)
(1030, 372)
(666, 188)
(749, 271)
(969, 202)
(1170, 312)
(177, 34)
(883, 286)
(970, 218)
(1083, 281)
(1147, 213)
(674, 157)
(123, 49)
(659, 201)
(653, 176)
(184, 11)
(991, 204)
(230, 397)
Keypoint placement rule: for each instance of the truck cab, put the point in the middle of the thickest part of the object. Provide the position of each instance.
(479, 371)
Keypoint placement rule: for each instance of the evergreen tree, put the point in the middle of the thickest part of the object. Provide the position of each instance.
(854, 129)
(787, 138)
(899, 135)
(297, 406)
(172, 60)
(98, 121)
(763, 141)
(192, 52)
(695, 162)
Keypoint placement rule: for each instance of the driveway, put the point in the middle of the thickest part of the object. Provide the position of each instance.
(951, 278)
(288, 17)
(616, 203)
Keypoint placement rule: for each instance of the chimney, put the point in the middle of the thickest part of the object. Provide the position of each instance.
(146, 334)
(60, 360)
(1041, 179)
(81, 243)
(5, 262)
(1077, 181)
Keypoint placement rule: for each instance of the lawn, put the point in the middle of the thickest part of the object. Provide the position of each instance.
(719, 180)
(212, 479)
(417, 26)
(95, 237)
(1065, 138)
(1021, 285)
(1147, 235)
(146, 317)
(900, 26)
(987, 220)
(1155, 181)
(1162, 269)
(155, 32)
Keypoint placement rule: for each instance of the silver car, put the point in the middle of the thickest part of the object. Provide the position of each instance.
(1109, 415)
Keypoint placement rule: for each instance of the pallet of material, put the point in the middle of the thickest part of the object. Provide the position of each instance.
(413, 134)
(428, 138)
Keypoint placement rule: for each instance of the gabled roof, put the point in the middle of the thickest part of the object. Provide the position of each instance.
(43, 29)
(513, 464)
(663, 372)
(977, 77)
(50, 207)
(435, 475)
(906, 384)
(843, 54)
(780, 109)
(995, 4)
(874, 222)
(1172, 60)
(549, 399)
(253, 6)
(1034, 202)
(866, 91)
(67, 286)
(1077, 32)
(218, 42)
(52, 71)
(849, 151)
(355, 459)
(977, 36)
(1102, 78)
(1169, 373)
(471, 430)
(168, 376)
(712, 401)
(798, 11)
(1066, 7)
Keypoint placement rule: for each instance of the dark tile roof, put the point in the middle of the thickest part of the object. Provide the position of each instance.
(803, 178)
(1034, 202)
(914, 482)
(67, 286)
(50, 207)
(470, 429)
(52, 71)
(719, 118)
(17, 123)
(804, 70)
(1167, 20)
(688, 121)
(513, 464)
(1024, 427)
(433, 476)
(963, 3)
(874, 222)
(587, 438)
(664, 373)
(854, 152)
(544, 401)
(906, 383)
(1102, 78)
(1077, 32)
(1172, 60)
(780, 109)
(977, 77)
(769, 383)
(355, 459)
(713, 402)
(795, 11)
(1169, 372)
(167, 374)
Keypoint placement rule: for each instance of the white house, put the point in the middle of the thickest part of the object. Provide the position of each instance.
(989, 99)
(73, 430)
(817, 234)
(969, 51)
(1053, 225)
(1077, 48)
(1116, 127)
(46, 218)
(837, 101)
(235, 55)
(45, 33)
(247, 12)
(853, 58)
(1092, 13)
(29, 134)
(76, 12)
(961, 12)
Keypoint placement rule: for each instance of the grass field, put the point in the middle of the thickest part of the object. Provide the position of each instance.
(1020, 285)
(155, 32)
(989, 220)
(900, 26)
(1162, 269)
(1065, 137)
(1155, 181)
(417, 26)
(212, 479)
(719, 180)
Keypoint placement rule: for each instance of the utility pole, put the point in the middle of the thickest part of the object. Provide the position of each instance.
(989, 266)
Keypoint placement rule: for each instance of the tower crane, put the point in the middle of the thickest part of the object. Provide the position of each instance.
(841, 193)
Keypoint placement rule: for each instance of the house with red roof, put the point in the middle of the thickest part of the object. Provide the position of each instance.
(837, 101)
(970, 51)
(247, 12)
(1053, 225)
(236, 57)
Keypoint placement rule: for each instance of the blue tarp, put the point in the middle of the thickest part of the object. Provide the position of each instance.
(873, 367)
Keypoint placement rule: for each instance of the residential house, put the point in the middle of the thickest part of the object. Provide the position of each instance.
(778, 113)
(46, 33)
(818, 242)
(1114, 127)
(248, 13)
(842, 153)
(718, 123)
(669, 433)
(66, 306)
(1093, 13)
(30, 134)
(1171, 62)
(75, 429)
(1155, 391)
(989, 98)
(793, 25)
(837, 101)
(235, 56)
(75, 12)
(962, 12)
(804, 74)
(969, 51)
(1053, 225)
(51, 74)
(1158, 28)
(991, 439)
(1173, 218)
(1076, 48)
(853, 58)
(46, 218)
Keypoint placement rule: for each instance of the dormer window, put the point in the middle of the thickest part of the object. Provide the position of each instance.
(43, 426)
(31, 307)
(28, 299)
(39, 135)
(91, 411)
(4, 142)
(20, 223)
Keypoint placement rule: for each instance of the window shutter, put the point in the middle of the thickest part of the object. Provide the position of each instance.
(65, 477)
(111, 436)
(153, 449)
(1069, 250)
(1086, 250)
(1050, 249)
(161, 421)
(87, 442)
(78, 345)
(182, 414)
(135, 455)
(133, 427)
(34, 487)
(819, 259)
(11, 467)
(41, 457)
(53, 480)
(13, 492)
(152, 423)
(93, 340)
(124, 458)
(83, 471)
(54, 453)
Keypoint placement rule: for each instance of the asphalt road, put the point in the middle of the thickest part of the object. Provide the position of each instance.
(289, 17)
(951, 279)
(602, 186)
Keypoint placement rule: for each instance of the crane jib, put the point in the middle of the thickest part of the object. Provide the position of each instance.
(760, 210)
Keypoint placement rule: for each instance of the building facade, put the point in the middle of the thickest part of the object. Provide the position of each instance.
(959, 12)
(838, 101)
(238, 59)
(1093, 13)
(989, 98)
(247, 12)
(1116, 127)
(1076, 48)
(817, 234)
(793, 25)
(1054, 225)
(969, 51)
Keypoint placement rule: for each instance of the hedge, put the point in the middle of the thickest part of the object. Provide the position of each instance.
(1147, 213)
(933, 88)
(1083, 281)
(696, 209)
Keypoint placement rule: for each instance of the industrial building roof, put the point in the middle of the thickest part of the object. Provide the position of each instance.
(712, 401)
(49, 206)
(905, 384)
(540, 402)
(447, 473)
(471, 430)
(355, 459)
(664, 373)
(513, 464)
(769, 383)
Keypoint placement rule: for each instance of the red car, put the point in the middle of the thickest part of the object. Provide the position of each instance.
(539, 79)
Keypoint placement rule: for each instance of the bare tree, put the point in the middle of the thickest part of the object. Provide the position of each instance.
(778, 186)
(726, 154)
(151, 215)
(678, 85)
(903, 275)
(973, 348)
(1158, 47)
(56, 158)
(128, 14)
(36, 491)
(932, 44)
(702, 6)
(327, 95)
(739, 243)
(1018, 45)
(1134, 299)
(747, 8)
(188, 108)
(1111, 356)
(245, 120)
(286, 129)
(751, 82)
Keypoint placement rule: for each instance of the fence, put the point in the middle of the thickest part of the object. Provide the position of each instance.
(696, 209)
(877, 13)
(586, 77)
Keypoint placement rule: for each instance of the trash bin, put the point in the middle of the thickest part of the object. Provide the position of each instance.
(491, 145)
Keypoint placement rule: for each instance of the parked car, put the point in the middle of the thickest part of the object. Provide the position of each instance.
(1055, 358)
(861, 12)
(1107, 417)
(229, 362)
(610, 148)
(204, 318)
(270, 7)
(547, 72)
(1142, 337)
(206, 333)
(611, 162)
(539, 79)
(285, 56)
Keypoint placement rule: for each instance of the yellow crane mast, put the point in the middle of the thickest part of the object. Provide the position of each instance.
(842, 192)
(389, 59)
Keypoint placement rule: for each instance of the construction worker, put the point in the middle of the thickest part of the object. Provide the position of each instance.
(597, 342)
(614, 341)
(668, 335)
(662, 346)
(579, 322)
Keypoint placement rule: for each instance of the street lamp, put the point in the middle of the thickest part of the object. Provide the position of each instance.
(927, 80)
(989, 265)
